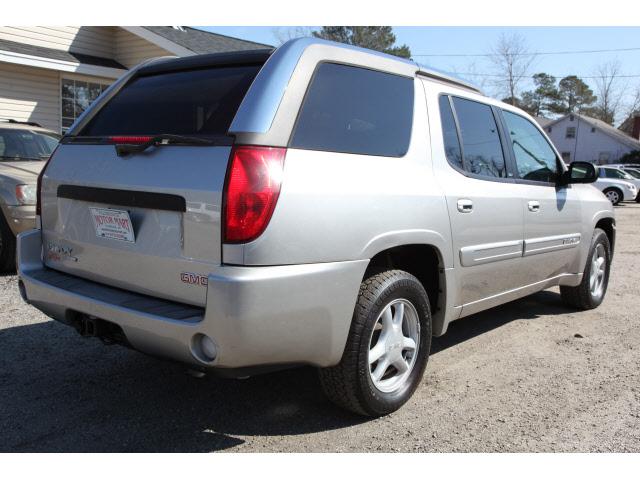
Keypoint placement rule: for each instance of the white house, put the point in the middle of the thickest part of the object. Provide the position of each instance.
(49, 75)
(578, 137)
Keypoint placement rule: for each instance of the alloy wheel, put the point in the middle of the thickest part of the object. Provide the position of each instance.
(393, 347)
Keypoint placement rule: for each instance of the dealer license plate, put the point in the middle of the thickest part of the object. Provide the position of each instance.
(113, 224)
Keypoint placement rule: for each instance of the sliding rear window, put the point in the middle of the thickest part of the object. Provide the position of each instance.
(191, 102)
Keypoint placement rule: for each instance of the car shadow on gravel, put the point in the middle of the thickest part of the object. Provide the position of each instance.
(61, 393)
(528, 308)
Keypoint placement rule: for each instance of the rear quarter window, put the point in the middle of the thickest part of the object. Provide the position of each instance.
(190, 102)
(355, 110)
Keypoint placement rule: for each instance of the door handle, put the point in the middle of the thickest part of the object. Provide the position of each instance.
(533, 205)
(465, 205)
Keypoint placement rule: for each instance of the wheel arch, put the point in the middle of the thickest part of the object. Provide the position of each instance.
(605, 222)
(424, 261)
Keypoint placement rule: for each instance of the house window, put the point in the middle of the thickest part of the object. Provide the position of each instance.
(77, 95)
(593, 129)
(566, 156)
(549, 129)
(571, 132)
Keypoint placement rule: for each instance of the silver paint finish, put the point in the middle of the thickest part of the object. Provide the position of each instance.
(490, 252)
(167, 243)
(256, 327)
(288, 296)
(534, 246)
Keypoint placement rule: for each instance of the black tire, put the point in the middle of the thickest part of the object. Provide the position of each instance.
(638, 198)
(349, 384)
(7, 247)
(612, 190)
(581, 297)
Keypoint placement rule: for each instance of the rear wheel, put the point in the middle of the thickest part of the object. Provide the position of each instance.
(7, 247)
(614, 195)
(387, 348)
(595, 279)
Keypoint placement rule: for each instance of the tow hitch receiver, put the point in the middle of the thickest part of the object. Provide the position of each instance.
(90, 326)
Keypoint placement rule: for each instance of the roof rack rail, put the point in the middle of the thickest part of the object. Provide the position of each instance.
(446, 78)
(13, 120)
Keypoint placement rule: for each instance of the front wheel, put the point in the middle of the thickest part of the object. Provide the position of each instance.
(614, 195)
(387, 348)
(595, 279)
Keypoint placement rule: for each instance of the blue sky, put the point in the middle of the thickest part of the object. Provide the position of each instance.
(456, 40)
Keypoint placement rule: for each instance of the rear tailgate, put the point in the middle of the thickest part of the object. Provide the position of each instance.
(171, 194)
(168, 242)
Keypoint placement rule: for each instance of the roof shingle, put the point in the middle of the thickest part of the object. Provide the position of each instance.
(199, 41)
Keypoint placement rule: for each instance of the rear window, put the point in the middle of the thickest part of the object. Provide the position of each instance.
(355, 110)
(193, 102)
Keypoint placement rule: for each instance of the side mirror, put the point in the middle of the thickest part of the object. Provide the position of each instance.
(580, 172)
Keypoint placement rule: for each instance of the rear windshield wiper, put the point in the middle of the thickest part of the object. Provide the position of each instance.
(124, 148)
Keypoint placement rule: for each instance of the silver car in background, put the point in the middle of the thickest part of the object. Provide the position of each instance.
(622, 177)
(319, 204)
(24, 149)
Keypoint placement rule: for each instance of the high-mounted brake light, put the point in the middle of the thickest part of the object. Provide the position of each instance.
(251, 191)
(130, 139)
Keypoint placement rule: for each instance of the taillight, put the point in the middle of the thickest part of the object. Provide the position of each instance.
(251, 191)
(39, 183)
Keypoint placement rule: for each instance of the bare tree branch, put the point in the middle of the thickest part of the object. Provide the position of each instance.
(511, 59)
(284, 34)
(607, 88)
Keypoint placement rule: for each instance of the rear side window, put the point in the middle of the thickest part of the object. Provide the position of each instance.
(188, 102)
(355, 110)
(450, 134)
(481, 147)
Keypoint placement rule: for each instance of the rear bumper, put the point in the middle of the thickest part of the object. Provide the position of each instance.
(20, 218)
(297, 314)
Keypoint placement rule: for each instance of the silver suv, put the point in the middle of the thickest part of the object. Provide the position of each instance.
(316, 205)
(24, 148)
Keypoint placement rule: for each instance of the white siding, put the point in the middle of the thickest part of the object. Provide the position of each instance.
(30, 94)
(131, 49)
(97, 41)
(588, 144)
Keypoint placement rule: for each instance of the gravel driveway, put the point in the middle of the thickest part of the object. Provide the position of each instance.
(528, 376)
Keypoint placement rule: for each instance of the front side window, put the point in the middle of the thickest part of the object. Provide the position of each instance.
(355, 110)
(481, 147)
(76, 97)
(535, 159)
